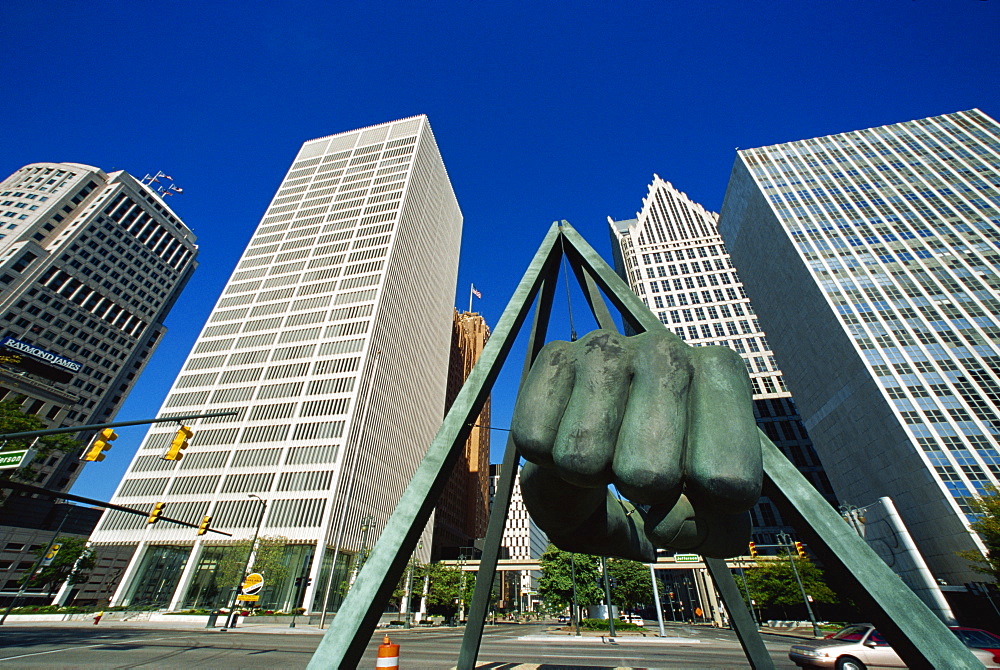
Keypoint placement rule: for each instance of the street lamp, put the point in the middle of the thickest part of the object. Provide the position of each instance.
(231, 619)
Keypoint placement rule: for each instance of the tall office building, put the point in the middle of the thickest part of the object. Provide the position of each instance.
(673, 257)
(330, 343)
(872, 258)
(90, 265)
(463, 509)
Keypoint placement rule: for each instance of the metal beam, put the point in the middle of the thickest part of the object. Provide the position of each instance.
(58, 495)
(921, 639)
(473, 635)
(116, 424)
(345, 641)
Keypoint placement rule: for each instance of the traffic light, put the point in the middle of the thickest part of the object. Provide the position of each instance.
(154, 515)
(100, 444)
(178, 444)
(203, 526)
(753, 549)
(800, 550)
(303, 581)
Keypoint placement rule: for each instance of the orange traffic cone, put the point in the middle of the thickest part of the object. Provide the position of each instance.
(388, 655)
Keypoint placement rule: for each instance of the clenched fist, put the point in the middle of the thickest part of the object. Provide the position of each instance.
(671, 426)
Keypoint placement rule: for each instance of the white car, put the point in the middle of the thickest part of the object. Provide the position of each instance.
(633, 618)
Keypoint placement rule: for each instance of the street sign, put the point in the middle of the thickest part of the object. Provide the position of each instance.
(687, 558)
(253, 583)
(53, 550)
(13, 459)
(247, 598)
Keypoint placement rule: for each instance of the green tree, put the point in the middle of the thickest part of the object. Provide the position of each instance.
(987, 524)
(268, 561)
(70, 563)
(13, 420)
(772, 582)
(556, 583)
(632, 585)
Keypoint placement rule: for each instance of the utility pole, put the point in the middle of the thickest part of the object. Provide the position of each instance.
(785, 540)
(231, 621)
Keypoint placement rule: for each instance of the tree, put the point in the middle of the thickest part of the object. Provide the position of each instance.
(13, 420)
(987, 524)
(556, 583)
(268, 561)
(772, 582)
(70, 564)
(631, 582)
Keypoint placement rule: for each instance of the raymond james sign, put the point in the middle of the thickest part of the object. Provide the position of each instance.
(40, 354)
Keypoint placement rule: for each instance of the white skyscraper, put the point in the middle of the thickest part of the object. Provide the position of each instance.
(872, 258)
(331, 343)
(673, 257)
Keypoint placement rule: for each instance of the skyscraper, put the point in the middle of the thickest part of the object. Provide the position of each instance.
(522, 540)
(872, 259)
(463, 508)
(330, 342)
(672, 256)
(90, 265)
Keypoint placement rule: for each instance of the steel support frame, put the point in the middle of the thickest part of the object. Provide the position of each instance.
(921, 639)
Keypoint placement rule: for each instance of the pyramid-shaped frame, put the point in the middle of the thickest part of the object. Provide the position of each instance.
(919, 637)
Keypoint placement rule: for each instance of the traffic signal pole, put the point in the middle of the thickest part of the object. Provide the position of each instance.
(99, 426)
(786, 541)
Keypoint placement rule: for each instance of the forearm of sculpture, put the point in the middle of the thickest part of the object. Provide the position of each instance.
(586, 520)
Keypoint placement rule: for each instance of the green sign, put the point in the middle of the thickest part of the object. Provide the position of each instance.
(687, 558)
(12, 459)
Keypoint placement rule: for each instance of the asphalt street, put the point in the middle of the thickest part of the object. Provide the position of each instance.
(154, 645)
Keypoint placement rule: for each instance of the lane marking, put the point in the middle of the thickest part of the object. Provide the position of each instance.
(91, 646)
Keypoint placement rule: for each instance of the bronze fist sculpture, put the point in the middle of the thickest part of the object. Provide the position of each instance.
(671, 426)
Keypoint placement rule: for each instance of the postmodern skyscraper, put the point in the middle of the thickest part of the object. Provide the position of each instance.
(872, 259)
(463, 509)
(330, 343)
(522, 540)
(90, 265)
(672, 256)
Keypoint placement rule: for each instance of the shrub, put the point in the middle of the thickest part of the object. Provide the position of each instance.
(602, 624)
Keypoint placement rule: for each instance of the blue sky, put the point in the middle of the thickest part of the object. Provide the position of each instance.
(542, 110)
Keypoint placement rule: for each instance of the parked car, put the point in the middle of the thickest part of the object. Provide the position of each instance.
(860, 646)
(633, 618)
(563, 618)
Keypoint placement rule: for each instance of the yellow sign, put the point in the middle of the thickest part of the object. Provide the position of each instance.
(253, 583)
(244, 597)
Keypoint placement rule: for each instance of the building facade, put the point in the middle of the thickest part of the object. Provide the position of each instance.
(463, 510)
(90, 265)
(673, 257)
(872, 258)
(330, 343)
(522, 540)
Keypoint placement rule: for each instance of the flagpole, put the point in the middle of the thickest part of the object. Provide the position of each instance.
(471, 286)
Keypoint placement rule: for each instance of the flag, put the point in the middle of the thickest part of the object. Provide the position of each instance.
(167, 177)
(176, 188)
(476, 293)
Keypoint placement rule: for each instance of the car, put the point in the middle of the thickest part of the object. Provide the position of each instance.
(860, 646)
(633, 618)
(563, 618)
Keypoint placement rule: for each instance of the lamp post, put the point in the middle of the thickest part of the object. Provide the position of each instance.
(231, 620)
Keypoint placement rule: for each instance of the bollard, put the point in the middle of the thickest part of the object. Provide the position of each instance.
(388, 655)
(97, 618)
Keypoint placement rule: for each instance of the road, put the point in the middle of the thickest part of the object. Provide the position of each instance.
(129, 645)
